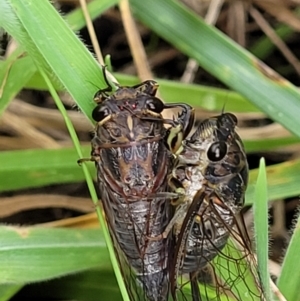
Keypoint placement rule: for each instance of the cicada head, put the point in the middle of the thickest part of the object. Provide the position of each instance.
(217, 149)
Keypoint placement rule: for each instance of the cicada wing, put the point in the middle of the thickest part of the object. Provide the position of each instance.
(214, 267)
(134, 291)
(143, 263)
(234, 269)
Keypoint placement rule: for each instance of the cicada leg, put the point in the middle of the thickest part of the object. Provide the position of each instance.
(181, 207)
(180, 128)
(186, 117)
(104, 120)
(148, 87)
(91, 159)
(101, 95)
(175, 138)
(177, 219)
(152, 113)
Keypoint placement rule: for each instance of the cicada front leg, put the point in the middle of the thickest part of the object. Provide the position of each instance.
(185, 118)
(91, 159)
(103, 94)
(180, 128)
(181, 208)
(148, 87)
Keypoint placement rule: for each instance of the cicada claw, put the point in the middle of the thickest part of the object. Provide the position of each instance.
(91, 159)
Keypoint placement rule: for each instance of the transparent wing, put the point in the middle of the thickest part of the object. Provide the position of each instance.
(213, 257)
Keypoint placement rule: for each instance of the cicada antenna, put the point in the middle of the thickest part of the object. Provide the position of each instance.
(224, 104)
(223, 108)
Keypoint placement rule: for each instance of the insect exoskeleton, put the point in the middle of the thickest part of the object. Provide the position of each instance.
(211, 174)
(133, 165)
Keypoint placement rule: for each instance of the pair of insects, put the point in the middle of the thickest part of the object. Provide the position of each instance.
(171, 198)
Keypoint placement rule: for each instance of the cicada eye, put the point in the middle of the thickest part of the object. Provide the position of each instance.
(217, 151)
(227, 121)
(232, 117)
(99, 113)
(155, 104)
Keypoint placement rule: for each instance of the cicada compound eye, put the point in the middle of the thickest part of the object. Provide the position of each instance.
(217, 151)
(99, 113)
(228, 120)
(154, 104)
(233, 118)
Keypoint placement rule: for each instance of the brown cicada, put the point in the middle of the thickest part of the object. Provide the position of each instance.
(212, 253)
(133, 164)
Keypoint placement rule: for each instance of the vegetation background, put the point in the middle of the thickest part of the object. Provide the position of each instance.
(64, 255)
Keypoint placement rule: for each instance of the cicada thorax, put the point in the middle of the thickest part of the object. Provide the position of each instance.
(133, 164)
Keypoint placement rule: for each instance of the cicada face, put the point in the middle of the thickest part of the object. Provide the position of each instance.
(133, 164)
(213, 170)
(218, 151)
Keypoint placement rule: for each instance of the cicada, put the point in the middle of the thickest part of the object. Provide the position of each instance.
(213, 258)
(133, 165)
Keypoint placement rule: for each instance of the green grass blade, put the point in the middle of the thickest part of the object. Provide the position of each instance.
(223, 58)
(10, 21)
(90, 184)
(23, 69)
(289, 279)
(254, 146)
(76, 19)
(30, 169)
(209, 98)
(64, 53)
(15, 76)
(96, 284)
(282, 181)
(264, 47)
(8, 290)
(260, 212)
(37, 254)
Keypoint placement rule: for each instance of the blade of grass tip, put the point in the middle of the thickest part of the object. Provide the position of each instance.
(223, 58)
(289, 278)
(89, 183)
(260, 210)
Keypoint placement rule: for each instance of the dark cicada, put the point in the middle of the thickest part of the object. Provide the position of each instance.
(212, 254)
(133, 164)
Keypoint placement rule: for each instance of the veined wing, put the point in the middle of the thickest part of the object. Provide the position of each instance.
(133, 187)
(213, 257)
(143, 263)
(212, 168)
(133, 164)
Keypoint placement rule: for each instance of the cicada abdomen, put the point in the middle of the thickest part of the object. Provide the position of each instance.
(133, 164)
(212, 168)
